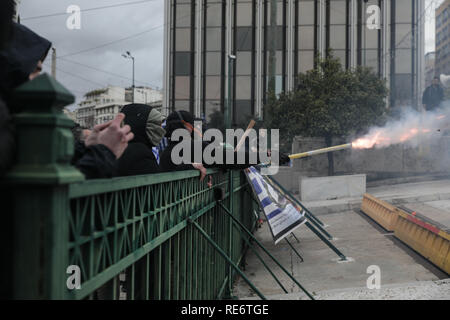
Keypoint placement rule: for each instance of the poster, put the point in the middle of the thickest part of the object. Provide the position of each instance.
(283, 216)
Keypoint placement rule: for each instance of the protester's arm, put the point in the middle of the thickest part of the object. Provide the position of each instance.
(96, 157)
(95, 162)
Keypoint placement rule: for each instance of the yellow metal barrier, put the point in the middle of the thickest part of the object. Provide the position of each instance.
(380, 211)
(425, 238)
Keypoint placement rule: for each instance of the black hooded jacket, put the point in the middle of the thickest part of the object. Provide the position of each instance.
(174, 122)
(138, 158)
(20, 58)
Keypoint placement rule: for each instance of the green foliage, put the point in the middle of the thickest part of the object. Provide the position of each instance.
(329, 101)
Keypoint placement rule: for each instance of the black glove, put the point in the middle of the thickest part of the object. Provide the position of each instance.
(284, 158)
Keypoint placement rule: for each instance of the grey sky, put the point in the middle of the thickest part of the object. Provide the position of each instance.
(97, 28)
(108, 25)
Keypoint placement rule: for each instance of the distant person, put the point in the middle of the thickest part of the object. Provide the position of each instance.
(146, 124)
(433, 95)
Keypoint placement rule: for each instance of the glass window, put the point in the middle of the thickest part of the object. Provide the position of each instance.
(213, 63)
(306, 37)
(341, 55)
(212, 88)
(243, 87)
(244, 15)
(370, 57)
(182, 63)
(402, 61)
(243, 110)
(213, 39)
(182, 105)
(306, 12)
(214, 14)
(403, 11)
(305, 61)
(182, 88)
(337, 37)
(183, 15)
(210, 107)
(183, 39)
(403, 35)
(371, 38)
(338, 12)
(243, 63)
(244, 39)
(403, 88)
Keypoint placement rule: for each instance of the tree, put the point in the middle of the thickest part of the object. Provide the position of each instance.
(328, 102)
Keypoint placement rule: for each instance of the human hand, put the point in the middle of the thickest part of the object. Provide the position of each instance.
(111, 135)
(202, 170)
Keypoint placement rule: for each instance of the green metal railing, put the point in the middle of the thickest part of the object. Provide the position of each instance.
(140, 226)
(139, 237)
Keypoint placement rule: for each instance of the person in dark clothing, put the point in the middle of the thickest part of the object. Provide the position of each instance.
(145, 122)
(21, 61)
(96, 156)
(184, 120)
(433, 95)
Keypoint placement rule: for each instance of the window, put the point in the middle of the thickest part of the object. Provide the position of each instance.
(182, 63)
(213, 63)
(244, 39)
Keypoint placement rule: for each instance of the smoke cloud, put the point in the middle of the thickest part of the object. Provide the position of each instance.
(413, 127)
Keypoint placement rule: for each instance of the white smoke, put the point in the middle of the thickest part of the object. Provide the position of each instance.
(413, 127)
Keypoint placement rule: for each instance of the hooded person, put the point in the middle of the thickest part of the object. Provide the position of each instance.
(21, 60)
(145, 123)
(21, 55)
(185, 120)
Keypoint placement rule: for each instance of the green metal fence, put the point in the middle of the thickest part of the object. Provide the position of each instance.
(132, 237)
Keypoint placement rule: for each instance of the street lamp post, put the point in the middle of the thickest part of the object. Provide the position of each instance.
(129, 56)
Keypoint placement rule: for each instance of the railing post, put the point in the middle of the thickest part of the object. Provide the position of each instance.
(40, 179)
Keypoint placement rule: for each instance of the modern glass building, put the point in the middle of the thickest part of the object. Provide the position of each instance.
(201, 34)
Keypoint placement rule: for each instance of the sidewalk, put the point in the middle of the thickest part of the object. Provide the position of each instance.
(359, 238)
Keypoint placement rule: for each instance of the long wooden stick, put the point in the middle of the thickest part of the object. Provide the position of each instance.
(246, 133)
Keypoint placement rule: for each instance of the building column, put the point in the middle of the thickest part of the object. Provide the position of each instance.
(198, 57)
(322, 28)
(259, 57)
(290, 45)
(166, 68)
(420, 68)
(353, 33)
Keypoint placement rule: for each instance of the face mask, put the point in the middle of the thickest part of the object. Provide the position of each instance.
(153, 127)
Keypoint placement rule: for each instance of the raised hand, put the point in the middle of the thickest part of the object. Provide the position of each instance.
(111, 135)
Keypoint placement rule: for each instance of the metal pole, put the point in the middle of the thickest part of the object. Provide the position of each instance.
(265, 250)
(293, 249)
(261, 259)
(223, 254)
(54, 63)
(229, 104)
(133, 79)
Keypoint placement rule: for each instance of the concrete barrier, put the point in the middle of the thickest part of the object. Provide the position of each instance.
(380, 211)
(427, 239)
(331, 188)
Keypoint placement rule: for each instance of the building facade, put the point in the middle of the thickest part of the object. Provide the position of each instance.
(103, 105)
(430, 60)
(443, 38)
(201, 34)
